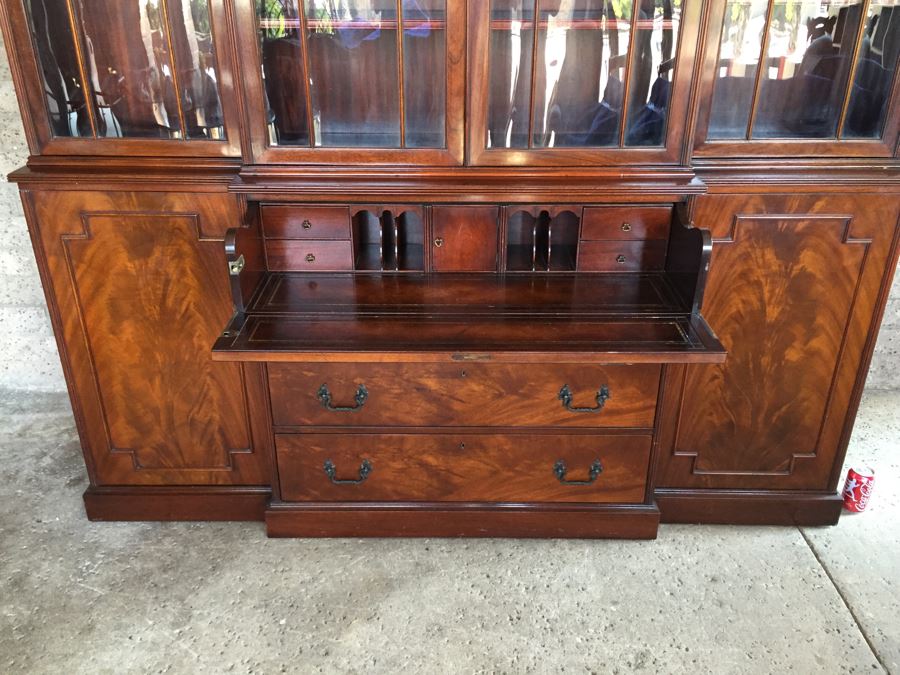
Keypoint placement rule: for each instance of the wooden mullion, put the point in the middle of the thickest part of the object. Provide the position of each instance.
(626, 83)
(534, 51)
(304, 71)
(87, 91)
(854, 66)
(763, 63)
(399, 38)
(176, 79)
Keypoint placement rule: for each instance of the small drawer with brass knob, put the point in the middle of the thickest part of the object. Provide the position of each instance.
(301, 221)
(626, 222)
(622, 256)
(297, 255)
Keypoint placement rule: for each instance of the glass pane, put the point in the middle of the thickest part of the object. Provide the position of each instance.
(652, 67)
(582, 51)
(511, 43)
(283, 76)
(811, 46)
(195, 56)
(874, 71)
(353, 72)
(742, 35)
(130, 69)
(51, 32)
(424, 72)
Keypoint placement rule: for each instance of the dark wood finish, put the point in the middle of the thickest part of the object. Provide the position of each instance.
(463, 467)
(784, 248)
(135, 380)
(288, 255)
(174, 503)
(463, 520)
(617, 256)
(626, 223)
(305, 222)
(736, 507)
(792, 290)
(463, 394)
(464, 238)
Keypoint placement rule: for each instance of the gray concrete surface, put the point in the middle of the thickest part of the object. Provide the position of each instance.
(80, 597)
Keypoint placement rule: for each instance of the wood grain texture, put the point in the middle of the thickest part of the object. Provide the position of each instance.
(626, 222)
(289, 255)
(465, 394)
(468, 237)
(297, 221)
(569, 521)
(138, 293)
(792, 290)
(460, 467)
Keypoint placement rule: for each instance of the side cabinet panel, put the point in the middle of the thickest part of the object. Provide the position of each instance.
(794, 289)
(138, 291)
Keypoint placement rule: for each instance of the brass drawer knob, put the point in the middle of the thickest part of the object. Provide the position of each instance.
(439, 242)
(620, 259)
(626, 227)
(306, 225)
(310, 258)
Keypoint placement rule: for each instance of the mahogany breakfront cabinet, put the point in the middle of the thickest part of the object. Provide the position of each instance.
(552, 268)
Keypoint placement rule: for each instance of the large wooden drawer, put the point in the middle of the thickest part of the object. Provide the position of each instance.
(466, 394)
(463, 467)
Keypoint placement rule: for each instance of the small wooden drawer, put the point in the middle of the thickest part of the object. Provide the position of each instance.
(621, 256)
(470, 394)
(460, 467)
(286, 255)
(626, 223)
(306, 222)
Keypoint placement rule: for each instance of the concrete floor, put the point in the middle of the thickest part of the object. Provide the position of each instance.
(80, 597)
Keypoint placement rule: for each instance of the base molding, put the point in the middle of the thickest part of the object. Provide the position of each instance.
(176, 503)
(738, 507)
(576, 521)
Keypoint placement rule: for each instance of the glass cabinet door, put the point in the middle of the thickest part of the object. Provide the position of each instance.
(117, 72)
(802, 76)
(596, 79)
(380, 78)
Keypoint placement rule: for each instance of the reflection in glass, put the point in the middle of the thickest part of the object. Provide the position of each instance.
(811, 46)
(511, 46)
(424, 93)
(283, 73)
(742, 35)
(652, 67)
(54, 43)
(353, 74)
(582, 52)
(192, 41)
(875, 69)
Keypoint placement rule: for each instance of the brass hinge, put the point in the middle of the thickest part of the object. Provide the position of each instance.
(235, 267)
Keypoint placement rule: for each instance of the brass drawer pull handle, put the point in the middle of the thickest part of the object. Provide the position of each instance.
(560, 470)
(364, 470)
(362, 395)
(306, 225)
(626, 227)
(621, 259)
(310, 258)
(565, 395)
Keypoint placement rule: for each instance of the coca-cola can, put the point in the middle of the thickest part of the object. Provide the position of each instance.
(858, 488)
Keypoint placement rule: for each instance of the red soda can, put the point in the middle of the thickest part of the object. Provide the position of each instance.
(858, 488)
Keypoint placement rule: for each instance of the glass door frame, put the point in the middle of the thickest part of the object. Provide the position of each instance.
(261, 152)
(886, 146)
(29, 85)
(671, 153)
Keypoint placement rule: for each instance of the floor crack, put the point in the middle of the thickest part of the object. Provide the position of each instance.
(843, 598)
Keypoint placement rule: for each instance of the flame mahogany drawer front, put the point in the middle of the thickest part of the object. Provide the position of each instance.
(298, 221)
(465, 394)
(534, 467)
